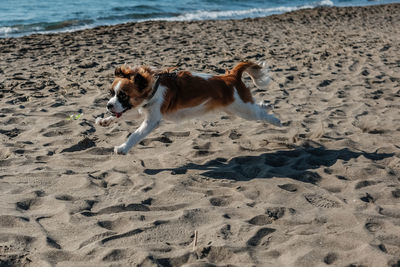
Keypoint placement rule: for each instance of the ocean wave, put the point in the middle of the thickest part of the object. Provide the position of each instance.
(44, 27)
(239, 14)
(5, 31)
(54, 26)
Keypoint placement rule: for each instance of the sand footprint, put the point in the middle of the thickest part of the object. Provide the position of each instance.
(209, 134)
(64, 197)
(288, 187)
(203, 150)
(389, 211)
(161, 139)
(226, 231)
(81, 145)
(354, 66)
(115, 255)
(330, 258)
(373, 226)
(27, 204)
(275, 213)
(220, 201)
(396, 193)
(365, 183)
(124, 208)
(321, 201)
(176, 134)
(234, 135)
(255, 240)
(11, 133)
(260, 220)
(57, 132)
(272, 214)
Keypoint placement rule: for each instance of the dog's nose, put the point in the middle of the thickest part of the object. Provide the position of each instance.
(110, 106)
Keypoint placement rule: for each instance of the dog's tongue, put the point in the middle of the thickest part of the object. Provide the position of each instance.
(118, 114)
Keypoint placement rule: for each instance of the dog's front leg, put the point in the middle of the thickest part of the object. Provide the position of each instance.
(145, 128)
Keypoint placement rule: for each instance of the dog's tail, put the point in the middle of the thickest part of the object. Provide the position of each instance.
(258, 72)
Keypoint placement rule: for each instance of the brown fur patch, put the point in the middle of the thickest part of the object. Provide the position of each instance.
(188, 91)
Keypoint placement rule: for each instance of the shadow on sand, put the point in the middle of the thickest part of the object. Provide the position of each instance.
(296, 164)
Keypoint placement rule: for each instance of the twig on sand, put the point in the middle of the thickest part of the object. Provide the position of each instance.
(195, 240)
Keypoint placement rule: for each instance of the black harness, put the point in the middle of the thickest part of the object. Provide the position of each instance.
(158, 81)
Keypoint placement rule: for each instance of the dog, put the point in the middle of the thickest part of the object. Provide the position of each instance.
(163, 94)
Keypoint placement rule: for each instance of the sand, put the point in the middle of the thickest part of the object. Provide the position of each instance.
(322, 190)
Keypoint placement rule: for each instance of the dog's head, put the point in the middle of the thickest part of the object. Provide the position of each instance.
(130, 88)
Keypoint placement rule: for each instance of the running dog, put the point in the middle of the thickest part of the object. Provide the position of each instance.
(162, 94)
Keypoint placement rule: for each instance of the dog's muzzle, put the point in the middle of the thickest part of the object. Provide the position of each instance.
(110, 108)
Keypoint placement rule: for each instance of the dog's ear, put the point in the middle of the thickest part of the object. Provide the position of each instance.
(140, 81)
(118, 72)
(123, 72)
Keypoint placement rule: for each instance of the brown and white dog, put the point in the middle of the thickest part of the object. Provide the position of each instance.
(175, 96)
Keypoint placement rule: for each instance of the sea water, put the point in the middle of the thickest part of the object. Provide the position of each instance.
(24, 17)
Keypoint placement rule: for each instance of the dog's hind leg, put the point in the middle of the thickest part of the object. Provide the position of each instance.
(252, 111)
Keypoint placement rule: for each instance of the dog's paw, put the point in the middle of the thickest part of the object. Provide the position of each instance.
(121, 150)
(274, 121)
(98, 121)
(104, 122)
(277, 123)
(266, 106)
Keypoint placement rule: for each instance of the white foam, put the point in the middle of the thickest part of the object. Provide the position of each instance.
(5, 31)
(239, 14)
(16, 31)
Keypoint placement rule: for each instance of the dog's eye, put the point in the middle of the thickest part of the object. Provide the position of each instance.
(111, 93)
(123, 96)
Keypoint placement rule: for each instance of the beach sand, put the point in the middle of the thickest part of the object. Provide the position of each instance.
(322, 190)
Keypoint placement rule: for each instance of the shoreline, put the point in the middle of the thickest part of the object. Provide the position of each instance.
(166, 20)
(323, 190)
